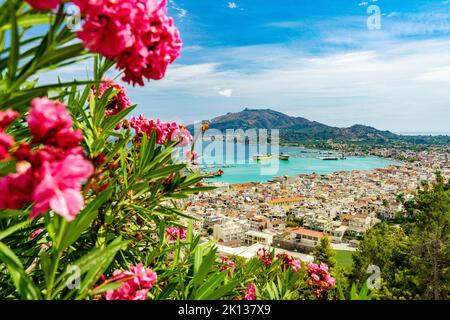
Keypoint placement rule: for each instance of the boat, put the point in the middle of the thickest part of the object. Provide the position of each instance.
(214, 174)
(258, 157)
(337, 157)
(283, 156)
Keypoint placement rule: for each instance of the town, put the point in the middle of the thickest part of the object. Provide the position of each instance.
(293, 213)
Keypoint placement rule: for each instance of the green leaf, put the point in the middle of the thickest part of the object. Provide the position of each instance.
(29, 20)
(4, 214)
(7, 167)
(210, 286)
(222, 291)
(204, 268)
(14, 47)
(25, 287)
(93, 263)
(167, 291)
(163, 172)
(102, 263)
(61, 54)
(84, 219)
(111, 122)
(109, 286)
(13, 229)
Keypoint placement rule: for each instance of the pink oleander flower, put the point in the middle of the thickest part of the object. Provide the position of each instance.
(59, 187)
(289, 261)
(136, 283)
(173, 233)
(119, 102)
(191, 155)
(35, 233)
(6, 118)
(182, 135)
(330, 280)
(163, 130)
(137, 34)
(44, 4)
(265, 256)
(50, 175)
(250, 294)
(320, 280)
(6, 142)
(296, 265)
(16, 189)
(226, 263)
(51, 123)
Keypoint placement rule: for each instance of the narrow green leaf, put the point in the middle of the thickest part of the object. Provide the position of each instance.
(14, 47)
(210, 286)
(221, 291)
(13, 229)
(204, 268)
(26, 288)
(84, 219)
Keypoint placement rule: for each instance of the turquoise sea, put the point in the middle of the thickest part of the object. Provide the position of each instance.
(303, 161)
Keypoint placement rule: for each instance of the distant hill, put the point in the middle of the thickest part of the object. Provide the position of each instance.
(298, 129)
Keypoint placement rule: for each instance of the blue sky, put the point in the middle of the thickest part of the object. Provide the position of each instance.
(315, 59)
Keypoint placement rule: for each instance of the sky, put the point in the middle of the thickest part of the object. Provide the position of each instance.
(316, 59)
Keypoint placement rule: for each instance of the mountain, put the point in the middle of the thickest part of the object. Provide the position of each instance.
(297, 129)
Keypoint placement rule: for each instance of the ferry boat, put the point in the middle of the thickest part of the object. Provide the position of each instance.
(337, 157)
(283, 156)
(258, 157)
(217, 173)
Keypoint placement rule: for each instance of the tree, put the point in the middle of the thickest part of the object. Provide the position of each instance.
(430, 229)
(387, 248)
(323, 253)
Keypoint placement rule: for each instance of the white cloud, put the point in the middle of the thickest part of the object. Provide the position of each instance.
(362, 4)
(393, 14)
(180, 12)
(380, 86)
(441, 74)
(232, 5)
(225, 93)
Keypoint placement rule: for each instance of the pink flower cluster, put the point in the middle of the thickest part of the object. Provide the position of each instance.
(164, 131)
(320, 279)
(289, 261)
(191, 156)
(44, 4)
(6, 141)
(6, 118)
(50, 170)
(265, 256)
(136, 283)
(173, 233)
(51, 124)
(250, 294)
(226, 263)
(119, 102)
(137, 34)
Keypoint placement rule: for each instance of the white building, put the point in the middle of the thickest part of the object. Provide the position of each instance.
(251, 237)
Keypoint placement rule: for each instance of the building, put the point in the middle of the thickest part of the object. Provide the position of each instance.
(359, 223)
(307, 237)
(298, 239)
(285, 201)
(228, 231)
(338, 233)
(251, 237)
